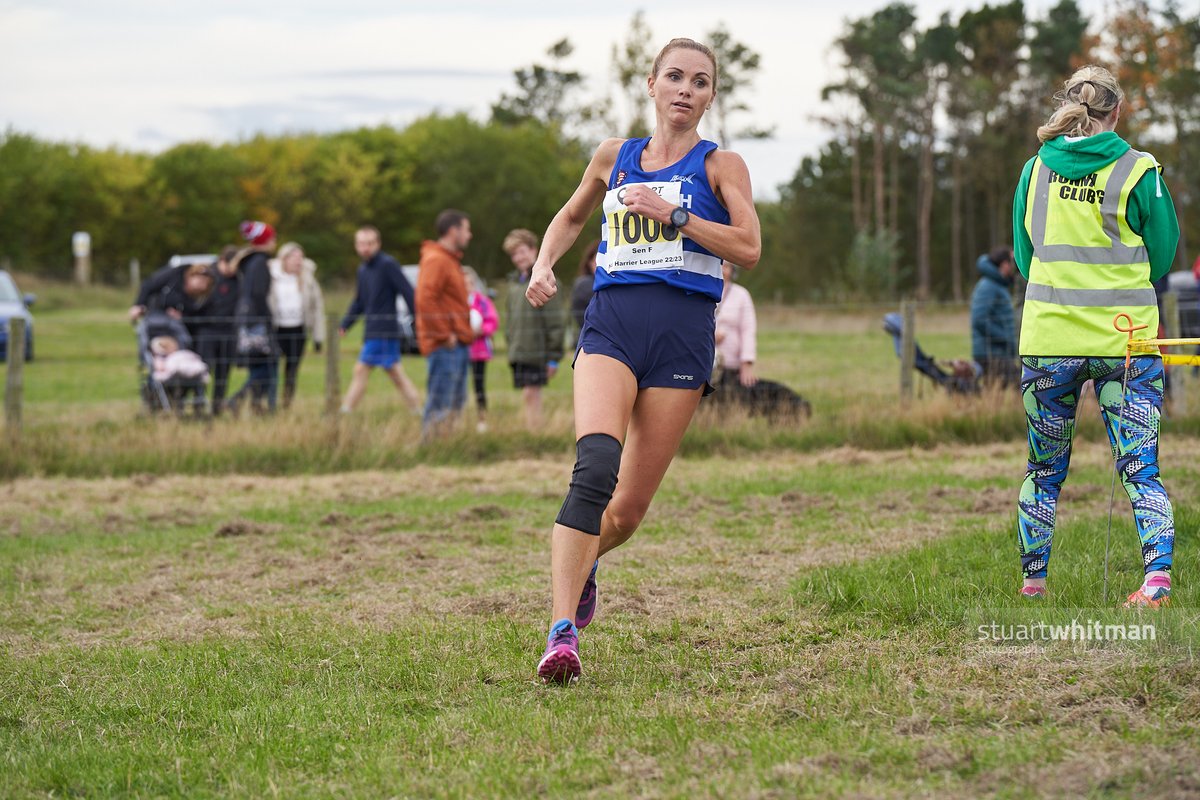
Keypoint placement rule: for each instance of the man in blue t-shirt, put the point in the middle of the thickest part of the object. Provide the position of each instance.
(380, 280)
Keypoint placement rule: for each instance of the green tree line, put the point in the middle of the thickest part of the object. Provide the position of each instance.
(315, 189)
(514, 170)
(928, 129)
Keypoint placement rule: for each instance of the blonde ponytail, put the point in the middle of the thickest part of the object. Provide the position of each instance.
(1088, 96)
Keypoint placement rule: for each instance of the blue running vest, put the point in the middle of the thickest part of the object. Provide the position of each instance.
(634, 249)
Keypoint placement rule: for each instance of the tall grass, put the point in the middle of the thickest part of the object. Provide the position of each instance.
(82, 414)
(304, 441)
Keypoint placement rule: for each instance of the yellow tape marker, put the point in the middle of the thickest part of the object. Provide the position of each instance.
(1150, 344)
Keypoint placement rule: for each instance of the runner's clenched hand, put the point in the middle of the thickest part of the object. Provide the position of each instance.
(542, 286)
(645, 202)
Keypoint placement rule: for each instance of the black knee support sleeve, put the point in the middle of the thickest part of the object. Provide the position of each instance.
(597, 461)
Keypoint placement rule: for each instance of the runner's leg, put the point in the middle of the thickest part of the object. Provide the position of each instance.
(605, 393)
(660, 418)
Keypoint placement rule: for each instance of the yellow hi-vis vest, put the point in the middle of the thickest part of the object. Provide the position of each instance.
(1087, 266)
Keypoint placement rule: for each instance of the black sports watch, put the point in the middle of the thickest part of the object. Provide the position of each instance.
(679, 217)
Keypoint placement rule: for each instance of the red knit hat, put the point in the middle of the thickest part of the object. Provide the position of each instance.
(257, 233)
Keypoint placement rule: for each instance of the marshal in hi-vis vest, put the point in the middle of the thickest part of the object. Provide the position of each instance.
(1087, 266)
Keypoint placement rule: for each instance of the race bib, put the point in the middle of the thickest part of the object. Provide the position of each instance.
(635, 242)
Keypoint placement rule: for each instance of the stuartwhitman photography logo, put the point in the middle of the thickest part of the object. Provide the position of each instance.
(1074, 631)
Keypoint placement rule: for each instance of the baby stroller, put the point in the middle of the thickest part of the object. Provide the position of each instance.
(959, 375)
(169, 386)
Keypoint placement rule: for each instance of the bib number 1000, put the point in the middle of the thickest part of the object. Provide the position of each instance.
(627, 228)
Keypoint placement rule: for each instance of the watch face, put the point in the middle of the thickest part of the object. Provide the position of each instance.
(679, 217)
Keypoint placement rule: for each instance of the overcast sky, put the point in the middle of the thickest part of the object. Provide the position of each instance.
(147, 74)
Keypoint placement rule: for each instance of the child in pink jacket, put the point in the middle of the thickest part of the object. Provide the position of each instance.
(484, 322)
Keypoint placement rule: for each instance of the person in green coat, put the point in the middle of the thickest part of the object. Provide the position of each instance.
(1093, 227)
(534, 335)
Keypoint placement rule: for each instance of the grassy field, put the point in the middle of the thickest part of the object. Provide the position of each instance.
(798, 617)
(784, 625)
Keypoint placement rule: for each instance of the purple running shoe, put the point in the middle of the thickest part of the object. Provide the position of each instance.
(587, 600)
(561, 664)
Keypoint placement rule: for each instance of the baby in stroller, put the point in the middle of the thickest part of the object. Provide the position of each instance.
(956, 376)
(176, 376)
(181, 374)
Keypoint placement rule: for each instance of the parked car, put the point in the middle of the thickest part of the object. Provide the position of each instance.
(14, 304)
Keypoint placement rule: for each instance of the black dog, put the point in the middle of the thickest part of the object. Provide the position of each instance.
(767, 399)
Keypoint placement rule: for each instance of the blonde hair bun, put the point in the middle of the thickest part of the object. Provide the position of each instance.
(1088, 97)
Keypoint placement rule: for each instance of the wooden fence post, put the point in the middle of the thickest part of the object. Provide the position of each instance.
(908, 349)
(14, 383)
(333, 376)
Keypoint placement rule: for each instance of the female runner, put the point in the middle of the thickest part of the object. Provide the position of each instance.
(674, 206)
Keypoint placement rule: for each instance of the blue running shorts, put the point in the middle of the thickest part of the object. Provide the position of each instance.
(380, 352)
(666, 336)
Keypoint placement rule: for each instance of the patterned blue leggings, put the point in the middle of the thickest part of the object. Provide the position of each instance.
(1050, 389)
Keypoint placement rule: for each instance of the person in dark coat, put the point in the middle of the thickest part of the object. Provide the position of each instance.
(993, 326)
(217, 338)
(179, 291)
(380, 281)
(256, 346)
(581, 289)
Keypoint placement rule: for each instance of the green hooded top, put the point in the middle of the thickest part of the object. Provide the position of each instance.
(1150, 213)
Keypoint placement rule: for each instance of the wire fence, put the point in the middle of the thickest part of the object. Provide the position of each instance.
(93, 365)
(96, 364)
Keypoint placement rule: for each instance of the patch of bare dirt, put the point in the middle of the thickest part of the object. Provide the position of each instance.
(790, 502)
(503, 604)
(824, 764)
(988, 500)
(855, 457)
(374, 568)
(943, 758)
(1107, 767)
(245, 527)
(487, 512)
(638, 766)
(117, 522)
(76, 501)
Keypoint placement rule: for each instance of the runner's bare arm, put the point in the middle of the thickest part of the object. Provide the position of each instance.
(739, 242)
(569, 221)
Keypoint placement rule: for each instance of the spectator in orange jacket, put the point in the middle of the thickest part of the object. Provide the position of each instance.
(443, 320)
